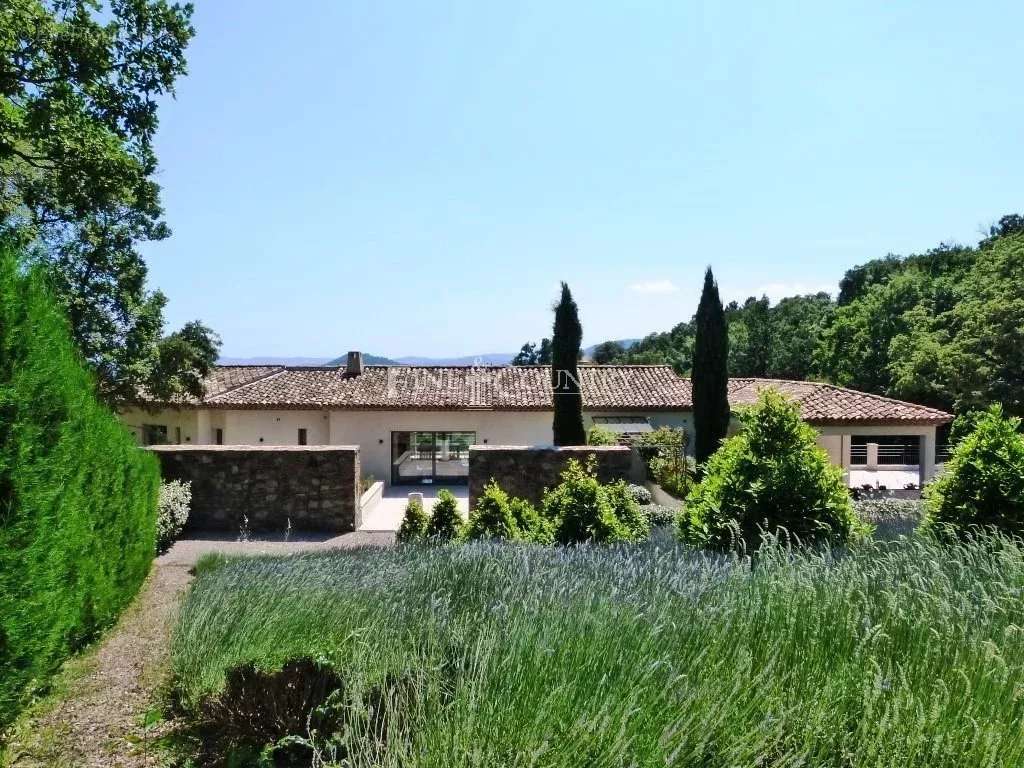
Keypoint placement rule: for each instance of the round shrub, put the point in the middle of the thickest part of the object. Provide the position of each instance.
(627, 510)
(771, 475)
(414, 522)
(172, 510)
(983, 483)
(640, 494)
(598, 435)
(533, 526)
(492, 517)
(445, 520)
(499, 516)
(582, 509)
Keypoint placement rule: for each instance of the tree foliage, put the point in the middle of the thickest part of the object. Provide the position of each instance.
(771, 475)
(608, 352)
(943, 328)
(566, 338)
(79, 84)
(534, 354)
(710, 371)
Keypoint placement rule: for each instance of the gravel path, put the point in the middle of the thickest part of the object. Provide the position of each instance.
(97, 716)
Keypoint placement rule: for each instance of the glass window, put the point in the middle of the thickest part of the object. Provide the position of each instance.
(154, 434)
(430, 457)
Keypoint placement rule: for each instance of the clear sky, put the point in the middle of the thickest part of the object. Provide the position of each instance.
(417, 177)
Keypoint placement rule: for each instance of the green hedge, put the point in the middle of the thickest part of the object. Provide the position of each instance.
(77, 497)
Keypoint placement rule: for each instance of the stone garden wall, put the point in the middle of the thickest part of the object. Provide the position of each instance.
(525, 471)
(315, 487)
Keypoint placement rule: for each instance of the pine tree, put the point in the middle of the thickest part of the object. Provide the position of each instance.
(565, 380)
(710, 371)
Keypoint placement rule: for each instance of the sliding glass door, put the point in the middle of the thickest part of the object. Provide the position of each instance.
(430, 457)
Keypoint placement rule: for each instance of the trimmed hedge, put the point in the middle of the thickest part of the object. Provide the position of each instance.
(78, 499)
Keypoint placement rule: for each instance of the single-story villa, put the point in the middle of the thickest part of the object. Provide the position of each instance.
(414, 424)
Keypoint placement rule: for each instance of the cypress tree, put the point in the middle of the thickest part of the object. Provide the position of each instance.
(710, 371)
(565, 381)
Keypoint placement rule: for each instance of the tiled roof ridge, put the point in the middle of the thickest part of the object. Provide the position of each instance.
(244, 384)
(624, 387)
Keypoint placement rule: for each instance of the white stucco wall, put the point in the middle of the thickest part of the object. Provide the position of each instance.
(240, 427)
(185, 420)
(274, 427)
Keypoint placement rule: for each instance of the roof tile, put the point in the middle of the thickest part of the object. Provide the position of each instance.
(608, 387)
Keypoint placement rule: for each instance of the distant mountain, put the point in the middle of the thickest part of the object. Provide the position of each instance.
(368, 359)
(488, 358)
(325, 361)
(273, 361)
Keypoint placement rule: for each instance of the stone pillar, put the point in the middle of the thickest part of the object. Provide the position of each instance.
(926, 462)
(872, 456)
(203, 433)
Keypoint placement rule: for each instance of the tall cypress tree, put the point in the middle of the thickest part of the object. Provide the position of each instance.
(565, 380)
(710, 371)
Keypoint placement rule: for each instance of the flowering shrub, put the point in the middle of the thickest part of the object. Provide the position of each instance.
(640, 494)
(659, 515)
(890, 517)
(173, 506)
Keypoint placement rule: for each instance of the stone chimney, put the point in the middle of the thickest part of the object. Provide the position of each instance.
(354, 366)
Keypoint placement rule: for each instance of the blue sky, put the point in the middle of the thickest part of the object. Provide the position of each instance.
(416, 178)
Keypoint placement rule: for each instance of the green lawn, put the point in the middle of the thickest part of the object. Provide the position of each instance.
(900, 654)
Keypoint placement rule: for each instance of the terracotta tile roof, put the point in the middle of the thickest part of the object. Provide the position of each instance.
(611, 387)
(227, 377)
(829, 404)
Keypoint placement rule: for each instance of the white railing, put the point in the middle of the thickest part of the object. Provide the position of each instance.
(889, 454)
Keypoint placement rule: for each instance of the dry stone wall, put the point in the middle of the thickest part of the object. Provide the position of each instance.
(525, 471)
(313, 487)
